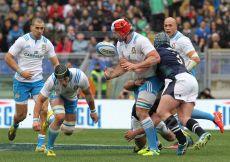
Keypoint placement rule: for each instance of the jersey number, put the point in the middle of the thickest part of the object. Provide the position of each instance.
(179, 59)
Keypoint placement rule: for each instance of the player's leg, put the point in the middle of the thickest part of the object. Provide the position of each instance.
(57, 106)
(21, 95)
(68, 126)
(42, 134)
(168, 103)
(189, 95)
(165, 132)
(216, 117)
(36, 87)
(193, 125)
(140, 139)
(146, 98)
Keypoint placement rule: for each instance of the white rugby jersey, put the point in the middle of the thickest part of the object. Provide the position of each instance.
(136, 51)
(30, 53)
(78, 79)
(182, 44)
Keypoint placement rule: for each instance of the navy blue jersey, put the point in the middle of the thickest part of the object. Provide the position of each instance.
(171, 63)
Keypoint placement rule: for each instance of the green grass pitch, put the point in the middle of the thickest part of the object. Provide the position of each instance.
(105, 145)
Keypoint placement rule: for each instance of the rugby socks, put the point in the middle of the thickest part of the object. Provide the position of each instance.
(194, 126)
(52, 135)
(172, 124)
(41, 140)
(150, 132)
(197, 114)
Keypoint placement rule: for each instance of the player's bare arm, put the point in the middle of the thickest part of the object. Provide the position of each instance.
(54, 61)
(111, 73)
(131, 84)
(152, 58)
(131, 134)
(90, 100)
(9, 58)
(37, 109)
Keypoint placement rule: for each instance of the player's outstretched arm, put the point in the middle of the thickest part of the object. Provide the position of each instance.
(90, 100)
(110, 73)
(37, 110)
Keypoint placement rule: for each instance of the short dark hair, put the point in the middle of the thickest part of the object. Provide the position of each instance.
(61, 72)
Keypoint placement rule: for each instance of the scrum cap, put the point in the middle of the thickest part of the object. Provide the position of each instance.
(121, 26)
(161, 39)
(61, 72)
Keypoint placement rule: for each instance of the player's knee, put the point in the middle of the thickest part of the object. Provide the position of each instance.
(68, 128)
(59, 112)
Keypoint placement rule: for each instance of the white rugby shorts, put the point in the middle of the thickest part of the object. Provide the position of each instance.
(184, 87)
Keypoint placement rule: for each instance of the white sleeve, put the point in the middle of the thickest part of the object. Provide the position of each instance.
(50, 51)
(17, 47)
(185, 45)
(83, 82)
(146, 45)
(48, 87)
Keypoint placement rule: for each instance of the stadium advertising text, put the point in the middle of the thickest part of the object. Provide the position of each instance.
(111, 115)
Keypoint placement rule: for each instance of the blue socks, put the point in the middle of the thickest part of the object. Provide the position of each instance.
(197, 114)
(52, 135)
(41, 140)
(150, 132)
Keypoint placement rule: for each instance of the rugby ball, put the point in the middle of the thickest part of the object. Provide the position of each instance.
(106, 49)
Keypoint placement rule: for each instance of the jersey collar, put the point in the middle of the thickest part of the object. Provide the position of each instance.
(174, 34)
(32, 37)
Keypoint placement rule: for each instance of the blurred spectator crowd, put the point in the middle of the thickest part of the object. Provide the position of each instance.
(75, 26)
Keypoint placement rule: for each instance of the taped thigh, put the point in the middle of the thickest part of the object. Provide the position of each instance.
(58, 109)
(68, 127)
(145, 100)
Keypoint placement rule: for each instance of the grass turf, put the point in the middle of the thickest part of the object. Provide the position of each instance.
(216, 150)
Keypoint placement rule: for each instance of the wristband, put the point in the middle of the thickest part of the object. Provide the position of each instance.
(36, 120)
(19, 71)
(93, 111)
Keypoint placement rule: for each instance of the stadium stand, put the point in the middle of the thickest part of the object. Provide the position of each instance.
(66, 19)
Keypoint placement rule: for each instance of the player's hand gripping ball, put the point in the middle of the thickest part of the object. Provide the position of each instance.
(106, 49)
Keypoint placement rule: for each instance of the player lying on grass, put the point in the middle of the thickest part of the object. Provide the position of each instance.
(64, 83)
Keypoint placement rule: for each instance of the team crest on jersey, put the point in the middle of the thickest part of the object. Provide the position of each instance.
(174, 45)
(133, 50)
(43, 48)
